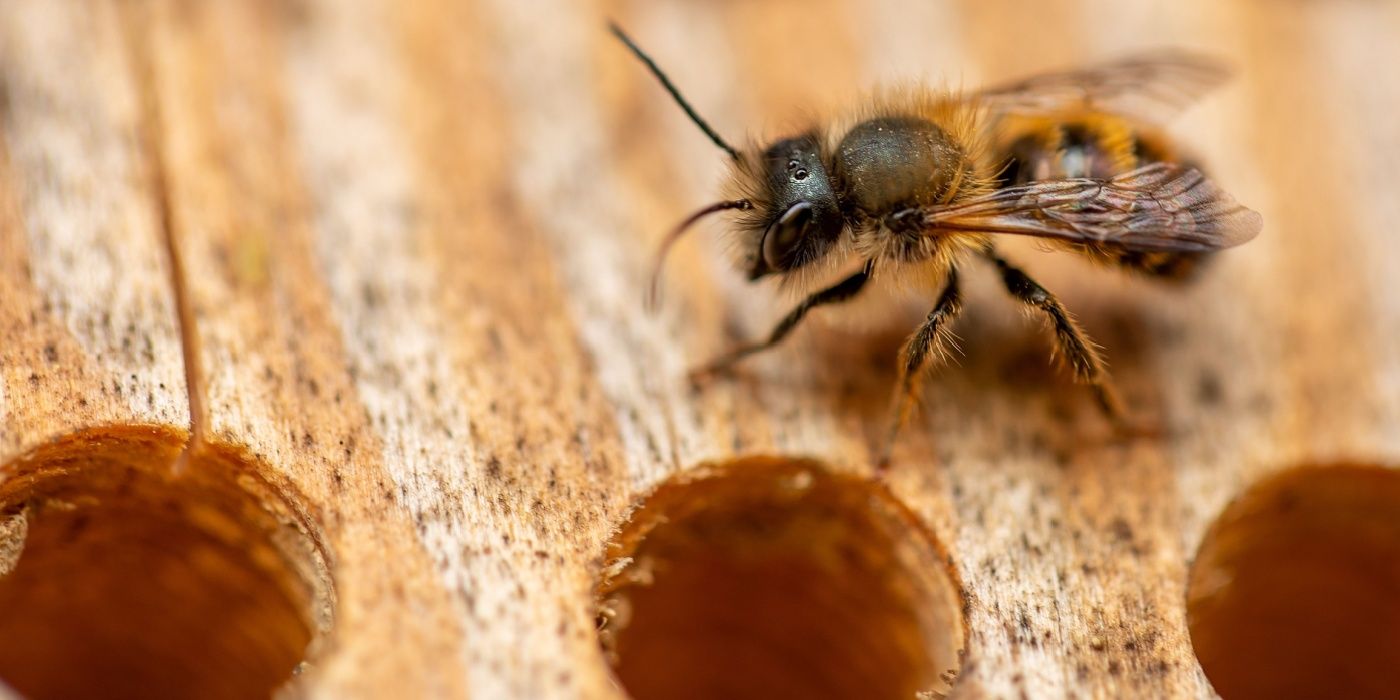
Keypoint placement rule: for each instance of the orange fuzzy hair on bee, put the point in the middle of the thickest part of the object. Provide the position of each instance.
(959, 114)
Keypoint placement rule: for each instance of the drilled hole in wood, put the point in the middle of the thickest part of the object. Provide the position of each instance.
(119, 580)
(1295, 592)
(770, 578)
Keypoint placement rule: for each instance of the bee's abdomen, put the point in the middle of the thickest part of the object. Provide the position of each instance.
(1095, 146)
(890, 163)
(1161, 264)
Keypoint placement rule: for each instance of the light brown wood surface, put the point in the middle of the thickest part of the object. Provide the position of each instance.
(321, 339)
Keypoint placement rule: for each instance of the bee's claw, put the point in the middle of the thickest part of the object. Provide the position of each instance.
(886, 458)
(1129, 430)
(882, 465)
(699, 377)
(722, 365)
(705, 374)
(1125, 428)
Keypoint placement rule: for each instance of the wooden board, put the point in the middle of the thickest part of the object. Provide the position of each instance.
(369, 275)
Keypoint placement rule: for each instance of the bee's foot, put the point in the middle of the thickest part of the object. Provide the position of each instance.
(1126, 430)
(704, 375)
(885, 458)
(882, 466)
(720, 366)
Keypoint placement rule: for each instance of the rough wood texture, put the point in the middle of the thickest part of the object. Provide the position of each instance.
(90, 336)
(409, 241)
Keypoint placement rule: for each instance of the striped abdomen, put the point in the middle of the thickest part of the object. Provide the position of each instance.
(1089, 145)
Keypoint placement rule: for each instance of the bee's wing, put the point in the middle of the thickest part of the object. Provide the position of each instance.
(1152, 86)
(1160, 207)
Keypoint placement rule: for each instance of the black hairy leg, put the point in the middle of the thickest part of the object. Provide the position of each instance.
(1073, 344)
(844, 290)
(930, 341)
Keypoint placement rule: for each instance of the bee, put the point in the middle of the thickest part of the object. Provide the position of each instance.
(907, 188)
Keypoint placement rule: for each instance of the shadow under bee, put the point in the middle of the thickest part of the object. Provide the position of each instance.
(1004, 360)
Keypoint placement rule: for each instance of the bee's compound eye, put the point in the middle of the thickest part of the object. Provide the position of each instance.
(785, 234)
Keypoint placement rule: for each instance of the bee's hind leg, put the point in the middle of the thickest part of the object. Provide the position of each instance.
(929, 341)
(841, 291)
(1074, 345)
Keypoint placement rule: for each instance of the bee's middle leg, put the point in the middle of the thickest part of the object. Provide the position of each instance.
(1074, 345)
(928, 342)
(841, 291)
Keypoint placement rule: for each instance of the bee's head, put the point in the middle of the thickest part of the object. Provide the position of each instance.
(795, 217)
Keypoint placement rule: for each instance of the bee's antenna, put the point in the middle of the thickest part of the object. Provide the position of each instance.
(675, 94)
(654, 288)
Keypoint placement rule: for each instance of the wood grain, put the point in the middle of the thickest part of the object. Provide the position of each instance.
(398, 250)
(86, 343)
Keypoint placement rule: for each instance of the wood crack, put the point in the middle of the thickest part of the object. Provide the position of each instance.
(149, 130)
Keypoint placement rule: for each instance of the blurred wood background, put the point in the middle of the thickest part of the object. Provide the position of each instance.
(410, 242)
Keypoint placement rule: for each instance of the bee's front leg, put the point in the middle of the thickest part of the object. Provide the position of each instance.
(841, 291)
